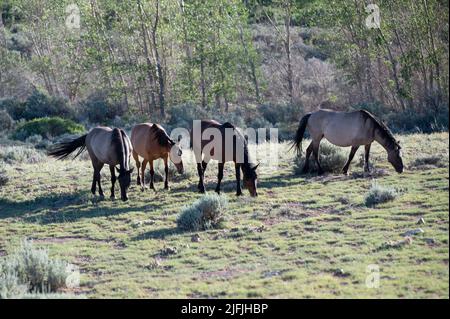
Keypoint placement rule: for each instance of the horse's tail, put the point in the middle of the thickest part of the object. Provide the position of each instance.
(297, 142)
(64, 149)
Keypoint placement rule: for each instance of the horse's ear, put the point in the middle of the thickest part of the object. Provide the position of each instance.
(254, 168)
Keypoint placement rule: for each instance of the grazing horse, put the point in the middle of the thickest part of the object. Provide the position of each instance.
(344, 129)
(105, 146)
(226, 153)
(151, 142)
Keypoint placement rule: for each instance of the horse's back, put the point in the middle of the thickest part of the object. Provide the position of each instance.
(98, 143)
(144, 138)
(340, 128)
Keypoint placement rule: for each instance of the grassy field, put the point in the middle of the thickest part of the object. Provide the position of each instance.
(302, 237)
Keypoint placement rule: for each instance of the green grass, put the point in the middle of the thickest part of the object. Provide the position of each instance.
(302, 237)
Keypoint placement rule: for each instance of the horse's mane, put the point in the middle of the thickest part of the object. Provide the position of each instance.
(161, 136)
(381, 126)
(246, 165)
(117, 141)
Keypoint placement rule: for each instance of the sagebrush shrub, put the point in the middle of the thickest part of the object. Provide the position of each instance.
(31, 268)
(20, 154)
(206, 213)
(378, 194)
(332, 159)
(430, 160)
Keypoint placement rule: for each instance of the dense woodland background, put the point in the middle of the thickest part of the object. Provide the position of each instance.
(256, 63)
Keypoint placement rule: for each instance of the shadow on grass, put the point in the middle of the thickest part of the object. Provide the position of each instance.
(61, 208)
(160, 233)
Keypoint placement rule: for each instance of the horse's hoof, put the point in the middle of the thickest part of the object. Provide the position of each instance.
(345, 173)
(239, 194)
(112, 197)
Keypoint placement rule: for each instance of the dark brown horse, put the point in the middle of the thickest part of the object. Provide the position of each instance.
(105, 146)
(347, 129)
(151, 142)
(224, 143)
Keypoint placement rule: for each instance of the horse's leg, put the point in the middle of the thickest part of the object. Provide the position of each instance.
(238, 179)
(350, 158)
(94, 181)
(201, 185)
(166, 172)
(366, 158)
(144, 165)
(113, 180)
(100, 190)
(219, 177)
(138, 166)
(316, 148)
(152, 175)
(308, 154)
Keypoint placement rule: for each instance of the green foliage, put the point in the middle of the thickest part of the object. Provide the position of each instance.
(47, 128)
(99, 108)
(206, 213)
(332, 159)
(15, 108)
(31, 268)
(281, 113)
(425, 119)
(39, 105)
(379, 194)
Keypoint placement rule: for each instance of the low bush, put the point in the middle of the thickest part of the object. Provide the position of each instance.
(4, 179)
(47, 128)
(31, 270)
(431, 160)
(6, 121)
(378, 194)
(206, 213)
(332, 159)
(20, 154)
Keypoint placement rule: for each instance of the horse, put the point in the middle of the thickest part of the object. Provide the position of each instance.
(226, 153)
(345, 129)
(151, 142)
(105, 146)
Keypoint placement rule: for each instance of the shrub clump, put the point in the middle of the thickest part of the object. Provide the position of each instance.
(31, 270)
(206, 213)
(47, 127)
(332, 159)
(431, 160)
(20, 154)
(379, 194)
(6, 121)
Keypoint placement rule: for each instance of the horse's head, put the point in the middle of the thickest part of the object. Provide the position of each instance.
(124, 182)
(175, 156)
(251, 180)
(395, 158)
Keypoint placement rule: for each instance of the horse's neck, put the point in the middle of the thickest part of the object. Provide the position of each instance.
(382, 139)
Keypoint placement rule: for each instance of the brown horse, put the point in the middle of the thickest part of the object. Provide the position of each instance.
(105, 146)
(347, 129)
(151, 142)
(217, 146)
